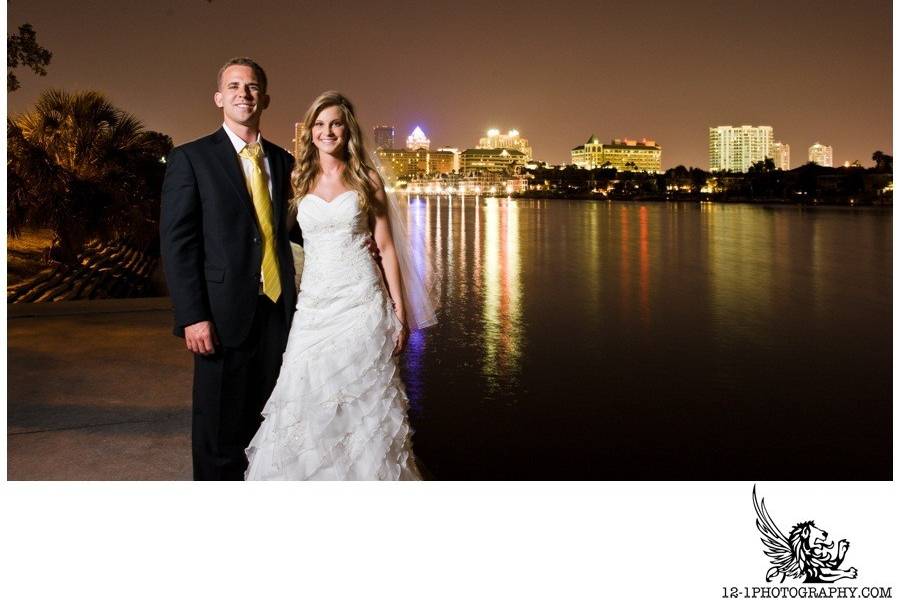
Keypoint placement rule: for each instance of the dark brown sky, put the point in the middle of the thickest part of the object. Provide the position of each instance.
(814, 70)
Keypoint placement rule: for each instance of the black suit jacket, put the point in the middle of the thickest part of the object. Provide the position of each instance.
(210, 240)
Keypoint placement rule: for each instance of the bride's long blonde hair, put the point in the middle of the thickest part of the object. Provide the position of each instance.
(357, 161)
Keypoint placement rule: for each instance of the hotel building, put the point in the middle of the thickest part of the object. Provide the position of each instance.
(510, 140)
(621, 154)
(782, 154)
(737, 148)
(455, 152)
(821, 155)
(399, 164)
(490, 160)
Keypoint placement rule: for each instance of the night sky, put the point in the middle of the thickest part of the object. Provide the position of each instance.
(556, 71)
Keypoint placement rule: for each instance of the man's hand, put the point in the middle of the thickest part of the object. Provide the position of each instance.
(200, 338)
(372, 247)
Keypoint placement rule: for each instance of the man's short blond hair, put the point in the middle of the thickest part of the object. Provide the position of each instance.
(246, 62)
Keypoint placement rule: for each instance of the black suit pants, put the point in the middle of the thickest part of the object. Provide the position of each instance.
(231, 388)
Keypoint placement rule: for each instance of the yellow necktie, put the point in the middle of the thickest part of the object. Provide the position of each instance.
(259, 191)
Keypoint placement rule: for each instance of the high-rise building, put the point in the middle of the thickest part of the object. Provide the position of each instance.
(621, 154)
(781, 152)
(511, 139)
(417, 140)
(821, 155)
(295, 142)
(384, 137)
(737, 148)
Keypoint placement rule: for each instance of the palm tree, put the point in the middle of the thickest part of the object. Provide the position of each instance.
(883, 162)
(85, 169)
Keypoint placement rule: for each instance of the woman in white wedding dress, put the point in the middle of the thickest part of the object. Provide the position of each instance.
(338, 410)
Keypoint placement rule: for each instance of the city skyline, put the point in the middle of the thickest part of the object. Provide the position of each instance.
(545, 73)
(780, 151)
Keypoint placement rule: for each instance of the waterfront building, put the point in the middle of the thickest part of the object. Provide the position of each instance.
(633, 155)
(737, 148)
(417, 140)
(399, 164)
(821, 155)
(455, 152)
(621, 154)
(588, 155)
(510, 140)
(472, 184)
(384, 136)
(295, 142)
(782, 154)
(490, 160)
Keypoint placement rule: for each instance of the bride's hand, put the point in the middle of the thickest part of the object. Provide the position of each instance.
(401, 338)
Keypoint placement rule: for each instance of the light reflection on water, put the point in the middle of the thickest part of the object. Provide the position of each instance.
(602, 340)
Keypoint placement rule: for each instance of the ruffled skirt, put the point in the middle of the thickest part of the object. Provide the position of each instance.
(339, 408)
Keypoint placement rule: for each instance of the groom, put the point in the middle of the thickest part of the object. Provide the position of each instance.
(228, 263)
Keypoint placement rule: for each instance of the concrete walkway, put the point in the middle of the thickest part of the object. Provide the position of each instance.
(97, 389)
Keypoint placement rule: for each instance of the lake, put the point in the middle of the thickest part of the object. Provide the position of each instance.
(620, 341)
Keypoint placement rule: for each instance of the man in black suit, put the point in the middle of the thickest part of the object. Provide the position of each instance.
(228, 263)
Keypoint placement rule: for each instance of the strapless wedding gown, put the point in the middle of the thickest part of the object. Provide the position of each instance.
(338, 410)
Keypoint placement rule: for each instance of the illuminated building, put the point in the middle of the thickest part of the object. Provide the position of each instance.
(417, 140)
(737, 148)
(491, 160)
(621, 154)
(455, 152)
(399, 164)
(782, 155)
(510, 140)
(384, 136)
(589, 155)
(298, 130)
(821, 155)
(631, 155)
(472, 184)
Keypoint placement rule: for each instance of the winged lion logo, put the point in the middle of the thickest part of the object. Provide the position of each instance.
(805, 552)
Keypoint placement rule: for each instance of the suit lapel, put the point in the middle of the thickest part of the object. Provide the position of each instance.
(231, 166)
(277, 172)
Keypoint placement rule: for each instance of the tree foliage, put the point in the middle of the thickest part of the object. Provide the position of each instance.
(22, 49)
(884, 163)
(85, 169)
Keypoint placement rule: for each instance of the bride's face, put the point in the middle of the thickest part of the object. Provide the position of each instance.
(329, 132)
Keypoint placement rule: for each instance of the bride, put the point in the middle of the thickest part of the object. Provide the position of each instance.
(338, 410)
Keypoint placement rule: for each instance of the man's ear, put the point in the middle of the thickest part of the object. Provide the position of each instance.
(217, 98)
(264, 101)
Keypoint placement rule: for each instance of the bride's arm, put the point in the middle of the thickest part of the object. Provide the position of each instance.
(385, 242)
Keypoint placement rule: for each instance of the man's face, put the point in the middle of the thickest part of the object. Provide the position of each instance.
(240, 96)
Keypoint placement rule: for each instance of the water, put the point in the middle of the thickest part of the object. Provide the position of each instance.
(622, 341)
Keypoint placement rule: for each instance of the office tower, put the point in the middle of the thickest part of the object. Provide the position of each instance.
(384, 137)
(417, 140)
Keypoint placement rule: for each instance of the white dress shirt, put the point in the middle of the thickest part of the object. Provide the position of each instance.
(239, 145)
